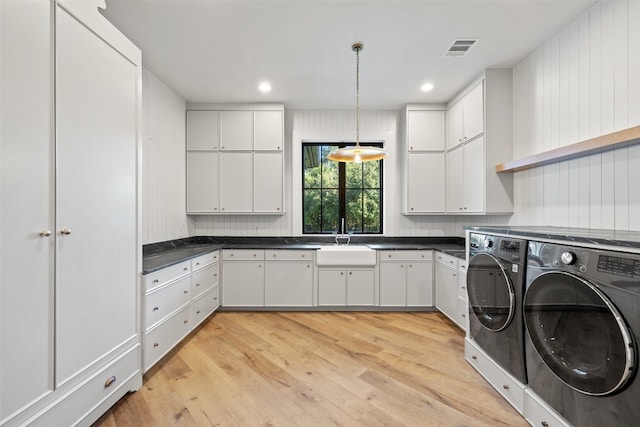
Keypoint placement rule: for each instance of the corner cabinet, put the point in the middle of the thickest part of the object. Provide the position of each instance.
(479, 136)
(424, 161)
(71, 259)
(235, 160)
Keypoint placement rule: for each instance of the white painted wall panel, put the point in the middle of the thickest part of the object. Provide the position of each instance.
(582, 83)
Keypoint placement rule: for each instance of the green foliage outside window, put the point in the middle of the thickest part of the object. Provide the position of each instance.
(333, 190)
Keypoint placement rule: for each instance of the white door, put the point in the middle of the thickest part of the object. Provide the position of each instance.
(474, 112)
(236, 130)
(474, 173)
(236, 182)
(393, 284)
(203, 130)
(26, 204)
(288, 283)
(425, 183)
(332, 287)
(203, 182)
(96, 276)
(268, 130)
(455, 180)
(419, 284)
(455, 132)
(425, 130)
(268, 182)
(243, 284)
(360, 287)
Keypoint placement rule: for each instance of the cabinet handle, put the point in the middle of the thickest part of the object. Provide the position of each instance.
(401, 265)
(350, 273)
(185, 321)
(504, 386)
(303, 255)
(463, 287)
(156, 281)
(389, 255)
(474, 357)
(215, 274)
(544, 424)
(259, 265)
(215, 298)
(410, 266)
(342, 273)
(308, 266)
(185, 269)
(45, 233)
(198, 312)
(454, 274)
(197, 264)
(109, 381)
(197, 284)
(155, 344)
(156, 308)
(186, 292)
(464, 316)
(65, 231)
(459, 139)
(274, 255)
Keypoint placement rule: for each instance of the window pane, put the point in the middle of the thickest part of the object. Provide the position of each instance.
(354, 175)
(312, 211)
(371, 202)
(354, 211)
(330, 210)
(371, 174)
(330, 176)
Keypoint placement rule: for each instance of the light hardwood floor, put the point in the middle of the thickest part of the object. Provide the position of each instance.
(316, 369)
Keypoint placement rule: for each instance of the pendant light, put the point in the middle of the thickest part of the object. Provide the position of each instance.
(357, 153)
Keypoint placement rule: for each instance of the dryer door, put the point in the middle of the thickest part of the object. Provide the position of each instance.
(492, 297)
(579, 333)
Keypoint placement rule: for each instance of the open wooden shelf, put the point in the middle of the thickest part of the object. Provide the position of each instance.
(599, 144)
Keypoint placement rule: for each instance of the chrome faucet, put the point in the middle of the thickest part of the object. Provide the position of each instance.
(342, 235)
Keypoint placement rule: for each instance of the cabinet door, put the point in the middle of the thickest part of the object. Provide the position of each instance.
(474, 167)
(236, 179)
(236, 130)
(203, 182)
(289, 283)
(26, 191)
(268, 182)
(419, 284)
(268, 133)
(203, 130)
(360, 287)
(455, 133)
(425, 130)
(455, 180)
(332, 287)
(96, 126)
(473, 112)
(243, 284)
(446, 291)
(425, 183)
(393, 284)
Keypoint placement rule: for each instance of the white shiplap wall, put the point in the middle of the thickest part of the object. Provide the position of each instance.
(163, 162)
(582, 83)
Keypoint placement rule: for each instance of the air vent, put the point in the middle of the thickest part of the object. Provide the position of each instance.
(460, 47)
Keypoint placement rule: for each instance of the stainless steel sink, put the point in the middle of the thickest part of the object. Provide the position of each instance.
(346, 255)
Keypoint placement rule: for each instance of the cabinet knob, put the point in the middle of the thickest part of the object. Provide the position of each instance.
(65, 231)
(474, 357)
(544, 424)
(410, 266)
(109, 381)
(197, 284)
(464, 316)
(156, 308)
(350, 273)
(45, 233)
(155, 344)
(185, 269)
(185, 292)
(215, 274)
(198, 312)
(156, 281)
(342, 273)
(185, 321)
(215, 298)
(401, 265)
(505, 386)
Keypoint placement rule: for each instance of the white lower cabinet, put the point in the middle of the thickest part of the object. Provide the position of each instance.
(288, 280)
(177, 299)
(451, 288)
(406, 278)
(243, 278)
(346, 286)
(509, 387)
(538, 413)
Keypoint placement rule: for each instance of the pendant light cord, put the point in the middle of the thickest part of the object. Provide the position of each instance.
(358, 95)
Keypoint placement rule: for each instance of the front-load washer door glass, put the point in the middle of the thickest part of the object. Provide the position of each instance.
(491, 294)
(578, 333)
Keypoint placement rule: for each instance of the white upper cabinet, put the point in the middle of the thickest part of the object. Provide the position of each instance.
(425, 130)
(203, 182)
(203, 130)
(236, 130)
(236, 182)
(268, 179)
(465, 118)
(268, 130)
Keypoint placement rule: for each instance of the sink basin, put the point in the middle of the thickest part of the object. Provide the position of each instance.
(346, 255)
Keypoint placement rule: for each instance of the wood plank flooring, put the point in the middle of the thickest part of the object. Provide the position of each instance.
(316, 369)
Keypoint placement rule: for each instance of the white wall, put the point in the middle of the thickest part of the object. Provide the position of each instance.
(583, 83)
(163, 162)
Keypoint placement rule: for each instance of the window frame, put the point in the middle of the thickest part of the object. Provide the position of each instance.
(342, 187)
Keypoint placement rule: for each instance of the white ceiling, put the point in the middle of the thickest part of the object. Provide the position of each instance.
(218, 51)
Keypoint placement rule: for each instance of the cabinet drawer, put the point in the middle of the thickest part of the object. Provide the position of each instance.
(204, 279)
(289, 255)
(462, 285)
(204, 260)
(510, 388)
(243, 255)
(98, 388)
(166, 275)
(539, 413)
(206, 304)
(406, 255)
(158, 341)
(165, 300)
(448, 260)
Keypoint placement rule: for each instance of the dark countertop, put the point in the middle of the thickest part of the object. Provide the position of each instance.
(621, 239)
(164, 254)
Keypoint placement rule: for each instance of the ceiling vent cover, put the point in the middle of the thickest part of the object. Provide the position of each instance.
(460, 47)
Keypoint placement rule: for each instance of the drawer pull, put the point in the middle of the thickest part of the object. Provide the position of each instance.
(474, 357)
(464, 316)
(544, 424)
(463, 287)
(197, 264)
(156, 281)
(109, 381)
(45, 233)
(185, 269)
(504, 386)
(156, 308)
(65, 231)
(186, 292)
(198, 312)
(215, 274)
(185, 321)
(215, 298)
(197, 284)
(155, 344)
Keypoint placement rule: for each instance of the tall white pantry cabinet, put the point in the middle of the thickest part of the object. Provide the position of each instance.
(69, 253)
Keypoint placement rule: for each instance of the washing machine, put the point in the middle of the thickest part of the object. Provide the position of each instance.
(495, 287)
(582, 318)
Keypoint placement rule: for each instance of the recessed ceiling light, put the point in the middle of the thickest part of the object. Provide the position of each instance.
(427, 87)
(264, 87)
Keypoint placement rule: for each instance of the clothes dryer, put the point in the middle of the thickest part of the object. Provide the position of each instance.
(495, 286)
(582, 317)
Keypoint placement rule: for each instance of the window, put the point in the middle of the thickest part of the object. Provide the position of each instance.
(332, 191)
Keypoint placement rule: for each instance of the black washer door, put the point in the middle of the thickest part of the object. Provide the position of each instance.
(579, 333)
(491, 294)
